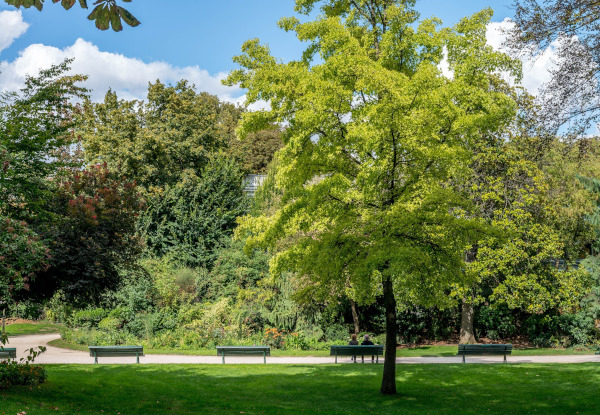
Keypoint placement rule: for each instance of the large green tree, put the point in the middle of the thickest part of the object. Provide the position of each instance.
(35, 126)
(524, 184)
(106, 13)
(158, 141)
(375, 132)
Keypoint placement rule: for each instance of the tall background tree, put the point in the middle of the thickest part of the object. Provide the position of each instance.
(35, 125)
(375, 132)
(571, 28)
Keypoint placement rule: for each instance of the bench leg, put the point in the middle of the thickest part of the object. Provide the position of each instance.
(505, 359)
(265, 357)
(137, 358)
(336, 356)
(377, 361)
(464, 358)
(362, 359)
(223, 355)
(95, 358)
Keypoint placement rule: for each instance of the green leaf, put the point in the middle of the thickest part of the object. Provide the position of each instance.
(95, 13)
(128, 17)
(115, 19)
(67, 4)
(103, 19)
(83, 4)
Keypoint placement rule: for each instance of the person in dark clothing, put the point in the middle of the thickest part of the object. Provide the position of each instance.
(367, 342)
(353, 342)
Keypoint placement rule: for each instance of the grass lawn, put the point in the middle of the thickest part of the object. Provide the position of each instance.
(406, 352)
(318, 389)
(30, 328)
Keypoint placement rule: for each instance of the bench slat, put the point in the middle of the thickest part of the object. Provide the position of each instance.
(8, 353)
(116, 351)
(484, 349)
(356, 350)
(244, 350)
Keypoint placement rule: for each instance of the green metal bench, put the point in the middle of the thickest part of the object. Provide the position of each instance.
(263, 351)
(484, 349)
(8, 353)
(116, 351)
(349, 350)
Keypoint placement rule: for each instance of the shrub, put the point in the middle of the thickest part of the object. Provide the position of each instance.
(19, 374)
(89, 318)
(58, 310)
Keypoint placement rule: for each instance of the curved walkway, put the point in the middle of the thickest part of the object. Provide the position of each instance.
(55, 355)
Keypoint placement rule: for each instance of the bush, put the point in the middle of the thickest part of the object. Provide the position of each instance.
(89, 318)
(58, 310)
(19, 374)
(496, 322)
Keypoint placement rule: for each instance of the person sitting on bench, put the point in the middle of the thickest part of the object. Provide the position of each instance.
(367, 342)
(353, 342)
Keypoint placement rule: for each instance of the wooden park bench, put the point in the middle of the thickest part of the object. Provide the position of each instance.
(8, 353)
(484, 349)
(116, 351)
(350, 350)
(263, 351)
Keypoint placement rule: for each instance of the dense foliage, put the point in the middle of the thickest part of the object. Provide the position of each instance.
(93, 234)
(187, 220)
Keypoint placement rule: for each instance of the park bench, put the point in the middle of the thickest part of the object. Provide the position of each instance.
(8, 353)
(263, 351)
(116, 351)
(350, 350)
(484, 349)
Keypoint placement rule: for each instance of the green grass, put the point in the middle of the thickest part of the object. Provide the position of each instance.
(31, 328)
(318, 389)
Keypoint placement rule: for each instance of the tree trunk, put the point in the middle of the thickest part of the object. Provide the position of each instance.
(388, 383)
(467, 333)
(354, 317)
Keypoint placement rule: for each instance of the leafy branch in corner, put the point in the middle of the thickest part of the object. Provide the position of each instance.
(107, 13)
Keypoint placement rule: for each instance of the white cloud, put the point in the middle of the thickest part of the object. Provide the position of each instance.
(13, 26)
(129, 77)
(536, 71)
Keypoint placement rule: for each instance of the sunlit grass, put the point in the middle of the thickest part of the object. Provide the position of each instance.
(318, 389)
(30, 328)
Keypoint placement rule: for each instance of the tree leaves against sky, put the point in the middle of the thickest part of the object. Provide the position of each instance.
(106, 13)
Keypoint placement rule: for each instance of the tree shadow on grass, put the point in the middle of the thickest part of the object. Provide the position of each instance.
(317, 389)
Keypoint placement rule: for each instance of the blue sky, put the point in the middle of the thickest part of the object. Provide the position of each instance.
(177, 38)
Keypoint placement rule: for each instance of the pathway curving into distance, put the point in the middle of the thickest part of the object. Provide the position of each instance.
(55, 355)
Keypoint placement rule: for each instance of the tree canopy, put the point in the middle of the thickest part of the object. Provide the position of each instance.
(35, 125)
(157, 141)
(375, 132)
(572, 29)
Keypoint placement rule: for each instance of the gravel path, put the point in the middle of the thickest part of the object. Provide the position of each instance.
(65, 356)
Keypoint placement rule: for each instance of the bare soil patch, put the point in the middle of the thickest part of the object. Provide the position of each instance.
(15, 320)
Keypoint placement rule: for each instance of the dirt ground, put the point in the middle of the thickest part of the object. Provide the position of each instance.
(14, 320)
